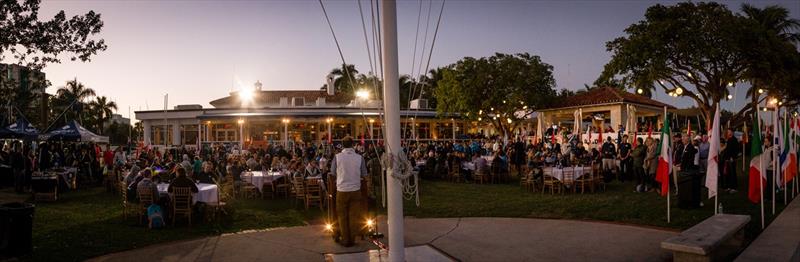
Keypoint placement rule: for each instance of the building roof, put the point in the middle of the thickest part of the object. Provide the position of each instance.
(266, 97)
(607, 95)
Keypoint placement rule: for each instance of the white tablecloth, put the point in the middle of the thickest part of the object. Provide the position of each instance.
(206, 193)
(558, 173)
(259, 178)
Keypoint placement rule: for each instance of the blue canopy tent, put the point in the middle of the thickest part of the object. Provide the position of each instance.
(74, 132)
(22, 129)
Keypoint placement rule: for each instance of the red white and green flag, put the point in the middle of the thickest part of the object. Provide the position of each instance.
(758, 176)
(789, 154)
(665, 157)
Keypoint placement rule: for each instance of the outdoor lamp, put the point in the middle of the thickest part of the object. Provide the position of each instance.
(773, 101)
(730, 97)
(285, 120)
(328, 227)
(509, 120)
(240, 121)
(246, 94)
(640, 91)
(371, 120)
(329, 120)
(525, 107)
(780, 103)
(363, 94)
(370, 222)
(760, 91)
(730, 84)
(678, 91)
(479, 119)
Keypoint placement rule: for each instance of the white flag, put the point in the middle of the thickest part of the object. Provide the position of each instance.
(712, 171)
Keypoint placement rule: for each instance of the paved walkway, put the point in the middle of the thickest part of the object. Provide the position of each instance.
(466, 239)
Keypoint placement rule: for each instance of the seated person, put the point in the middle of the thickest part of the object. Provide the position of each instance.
(207, 175)
(147, 182)
(181, 180)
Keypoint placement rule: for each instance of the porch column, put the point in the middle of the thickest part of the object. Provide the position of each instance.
(176, 134)
(147, 129)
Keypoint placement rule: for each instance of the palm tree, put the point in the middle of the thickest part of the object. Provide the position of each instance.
(103, 110)
(774, 19)
(406, 84)
(76, 92)
(344, 79)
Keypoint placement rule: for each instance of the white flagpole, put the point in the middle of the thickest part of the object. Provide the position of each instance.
(773, 153)
(669, 168)
(761, 169)
(786, 136)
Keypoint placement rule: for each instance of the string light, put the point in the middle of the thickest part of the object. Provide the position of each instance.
(760, 91)
(640, 91)
(730, 97)
(679, 91)
(730, 84)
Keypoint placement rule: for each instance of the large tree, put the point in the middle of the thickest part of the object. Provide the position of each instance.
(71, 99)
(345, 79)
(499, 89)
(35, 43)
(698, 50)
(102, 109)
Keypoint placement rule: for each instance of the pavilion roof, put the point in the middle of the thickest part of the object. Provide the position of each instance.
(607, 95)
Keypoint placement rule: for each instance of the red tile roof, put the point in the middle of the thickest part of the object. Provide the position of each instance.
(607, 95)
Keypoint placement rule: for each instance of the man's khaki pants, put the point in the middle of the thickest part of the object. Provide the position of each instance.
(350, 215)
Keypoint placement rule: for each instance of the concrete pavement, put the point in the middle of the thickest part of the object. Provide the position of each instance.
(466, 239)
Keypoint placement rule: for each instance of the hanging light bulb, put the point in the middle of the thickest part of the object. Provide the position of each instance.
(730, 97)
(640, 91)
(760, 91)
(730, 84)
(679, 91)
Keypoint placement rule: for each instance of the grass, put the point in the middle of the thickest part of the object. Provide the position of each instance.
(88, 222)
(618, 204)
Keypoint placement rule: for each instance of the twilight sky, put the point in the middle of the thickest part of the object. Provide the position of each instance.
(198, 51)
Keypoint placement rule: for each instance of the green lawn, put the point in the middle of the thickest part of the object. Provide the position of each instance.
(88, 222)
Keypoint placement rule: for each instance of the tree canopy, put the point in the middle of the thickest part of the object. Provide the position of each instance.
(500, 89)
(35, 43)
(701, 51)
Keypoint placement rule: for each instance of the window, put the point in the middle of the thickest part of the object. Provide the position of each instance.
(298, 101)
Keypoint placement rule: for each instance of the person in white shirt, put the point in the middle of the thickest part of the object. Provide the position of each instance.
(348, 167)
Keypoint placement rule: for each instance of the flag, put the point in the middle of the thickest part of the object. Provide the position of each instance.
(665, 158)
(649, 129)
(789, 155)
(689, 129)
(712, 170)
(756, 172)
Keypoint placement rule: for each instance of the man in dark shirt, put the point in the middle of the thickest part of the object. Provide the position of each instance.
(609, 152)
(182, 181)
(625, 159)
(732, 149)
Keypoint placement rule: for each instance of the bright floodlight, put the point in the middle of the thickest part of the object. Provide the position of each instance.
(246, 94)
(363, 94)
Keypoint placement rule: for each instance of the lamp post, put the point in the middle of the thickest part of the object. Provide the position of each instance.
(330, 134)
(241, 133)
(371, 133)
(453, 127)
(285, 132)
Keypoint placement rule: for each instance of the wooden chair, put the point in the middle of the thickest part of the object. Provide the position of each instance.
(584, 180)
(548, 181)
(455, 172)
(282, 186)
(481, 176)
(126, 205)
(248, 190)
(527, 181)
(298, 186)
(145, 200)
(182, 203)
(597, 176)
(568, 179)
(313, 192)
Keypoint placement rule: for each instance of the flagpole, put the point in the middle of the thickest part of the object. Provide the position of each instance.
(786, 137)
(669, 166)
(761, 168)
(775, 167)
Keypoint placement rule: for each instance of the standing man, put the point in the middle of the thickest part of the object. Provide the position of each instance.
(625, 159)
(609, 152)
(348, 167)
(732, 149)
(519, 156)
(703, 149)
